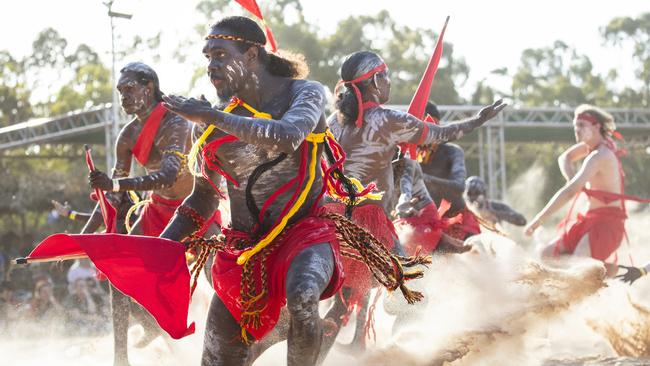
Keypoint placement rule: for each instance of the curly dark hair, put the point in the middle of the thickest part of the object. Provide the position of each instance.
(432, 110)
(282, 63)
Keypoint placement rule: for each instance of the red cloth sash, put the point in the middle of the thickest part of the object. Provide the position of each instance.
(606, 229)
(227, 274)
(427, 227)
(143, 144)
(152, 271)
(157, 214)
(468, 226)
(609, 197)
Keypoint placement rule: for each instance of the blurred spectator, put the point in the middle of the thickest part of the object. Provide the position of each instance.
(3, 265)
(8, 306)
(80, 269)
(83, 312)
(44, 306)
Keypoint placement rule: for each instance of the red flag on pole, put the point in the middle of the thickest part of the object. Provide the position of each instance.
(251, 6)
(108, 211)
(419, 101)
(152, 271)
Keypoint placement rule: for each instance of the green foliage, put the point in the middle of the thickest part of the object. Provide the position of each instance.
(406, 50)
(84, 80)
(634, 31)
(48, 49)
(91, 86)
(31, 182)
(558, 76)
(14, 93)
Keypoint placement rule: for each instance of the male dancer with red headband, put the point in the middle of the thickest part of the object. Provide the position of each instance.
(282, 247)
(158, 141)
(370, 135)
(598, 232)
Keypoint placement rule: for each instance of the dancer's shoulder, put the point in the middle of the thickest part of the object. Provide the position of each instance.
(304, 85)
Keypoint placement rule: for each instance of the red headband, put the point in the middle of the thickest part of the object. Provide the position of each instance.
(587, 117)
(584, 116)
(357, 92)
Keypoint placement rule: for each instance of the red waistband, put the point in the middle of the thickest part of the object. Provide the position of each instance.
(606, 211)
(165, 201)
(607, 197)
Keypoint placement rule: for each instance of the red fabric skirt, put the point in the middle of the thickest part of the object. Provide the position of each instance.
(606, 229)
(426, 227)
(227, 274)
(372, 218)
(157, 214)
(467, 227)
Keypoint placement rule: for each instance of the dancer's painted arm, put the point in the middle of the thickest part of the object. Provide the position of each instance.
(505, 213)
(574, 186)
(94, 222)
(456, 181)
(66, 211)
(203, 201)
(406, 183)
(282, 135)
(567, 159)
(173, 139)
(407, 128)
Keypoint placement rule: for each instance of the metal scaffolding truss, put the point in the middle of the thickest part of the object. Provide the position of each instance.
(546, 117)
(491, 137)
(48, 130)
(491, 141)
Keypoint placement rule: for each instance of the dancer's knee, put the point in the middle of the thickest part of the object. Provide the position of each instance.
(302, 301)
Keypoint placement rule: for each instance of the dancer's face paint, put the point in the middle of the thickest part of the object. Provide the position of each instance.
(228, 68)
(382, 80)
(134, 96)
(584, 131)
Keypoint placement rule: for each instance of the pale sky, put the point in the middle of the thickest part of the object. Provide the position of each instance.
(488, 34)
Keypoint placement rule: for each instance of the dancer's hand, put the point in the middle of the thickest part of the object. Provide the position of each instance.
(61, 209)
(98, 179)
(632, 274)
(192, 109)
(489, 112)
(532, 226)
